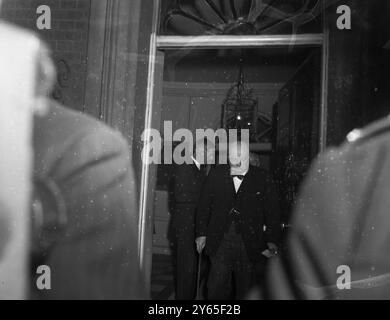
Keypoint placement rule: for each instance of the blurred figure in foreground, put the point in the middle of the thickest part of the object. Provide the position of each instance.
(19, 50)
(85, 226)
(85, 214)
(337, 248)
(339, 241)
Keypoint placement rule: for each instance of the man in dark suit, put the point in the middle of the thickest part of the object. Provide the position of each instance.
(85, 226)
(237, 203)
(188, 183)
(85, 215)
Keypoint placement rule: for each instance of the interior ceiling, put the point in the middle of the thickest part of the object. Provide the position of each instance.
(221, 65)
(250, 56)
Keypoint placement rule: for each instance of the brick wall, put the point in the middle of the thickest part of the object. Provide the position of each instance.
(67, 40)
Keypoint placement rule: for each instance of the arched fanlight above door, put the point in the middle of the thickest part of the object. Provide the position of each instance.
(242, 17)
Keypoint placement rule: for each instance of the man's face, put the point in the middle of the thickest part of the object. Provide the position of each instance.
(235, 156)
(239, 157)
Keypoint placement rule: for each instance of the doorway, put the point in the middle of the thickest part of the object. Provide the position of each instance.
(285, 131)
(311, 35)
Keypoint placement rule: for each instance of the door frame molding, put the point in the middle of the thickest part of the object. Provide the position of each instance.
(143, 210)
(99, 53)
(208, 42)
(111, 64)
(227, 41)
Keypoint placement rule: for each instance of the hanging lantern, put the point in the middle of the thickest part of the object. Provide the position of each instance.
(239, 108)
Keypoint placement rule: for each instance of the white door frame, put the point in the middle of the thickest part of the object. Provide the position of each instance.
(208, 42)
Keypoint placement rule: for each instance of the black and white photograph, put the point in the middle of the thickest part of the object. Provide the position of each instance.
(198, 156)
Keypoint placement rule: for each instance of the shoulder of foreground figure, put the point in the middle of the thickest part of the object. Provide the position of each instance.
(373, 132)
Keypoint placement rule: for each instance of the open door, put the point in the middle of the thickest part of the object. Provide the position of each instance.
(297, 125)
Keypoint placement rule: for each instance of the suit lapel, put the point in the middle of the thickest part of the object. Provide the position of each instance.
(229, 182)
(196, 170)
(246, 182)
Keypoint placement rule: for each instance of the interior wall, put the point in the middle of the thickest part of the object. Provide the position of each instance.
(199, 105)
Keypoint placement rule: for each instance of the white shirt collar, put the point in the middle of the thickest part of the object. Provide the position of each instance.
(244, 174)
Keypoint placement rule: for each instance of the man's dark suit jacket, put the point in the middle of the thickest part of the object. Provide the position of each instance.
(188, 185)
(187, 188)
(93, 252)
(256, 200)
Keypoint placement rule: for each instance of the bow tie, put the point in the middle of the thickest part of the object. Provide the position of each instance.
(239, 176)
